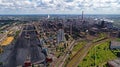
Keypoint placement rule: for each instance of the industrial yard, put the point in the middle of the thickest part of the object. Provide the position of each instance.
(59, 42)
(59, 33)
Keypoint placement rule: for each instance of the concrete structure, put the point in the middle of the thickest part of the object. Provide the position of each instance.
(26, 44)
(114, 45)
(114, 63)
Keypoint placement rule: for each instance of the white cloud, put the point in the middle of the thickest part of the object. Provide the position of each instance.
(40, 6)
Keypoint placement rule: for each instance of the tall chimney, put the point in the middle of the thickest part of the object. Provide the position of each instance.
(82, 15)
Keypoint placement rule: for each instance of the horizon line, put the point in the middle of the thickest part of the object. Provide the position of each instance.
(59, 14)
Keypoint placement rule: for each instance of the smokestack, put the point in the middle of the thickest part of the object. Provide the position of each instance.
(82, 15)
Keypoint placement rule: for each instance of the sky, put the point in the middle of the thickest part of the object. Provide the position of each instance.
(59, 6)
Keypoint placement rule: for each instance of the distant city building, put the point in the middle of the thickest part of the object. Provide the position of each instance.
(101, 24)
(85, 24)
(109, 25)
(93, 31)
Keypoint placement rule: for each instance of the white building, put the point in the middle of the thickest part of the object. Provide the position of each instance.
(60, 36)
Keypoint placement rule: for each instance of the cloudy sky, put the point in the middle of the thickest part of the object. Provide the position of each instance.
(59, 6)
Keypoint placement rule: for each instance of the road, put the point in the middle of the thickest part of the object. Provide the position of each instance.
(59, 62)
(66, 55)
(79, 56)
(25, 46)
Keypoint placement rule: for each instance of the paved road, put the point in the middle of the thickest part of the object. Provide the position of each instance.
(79, 56)
(26, 47)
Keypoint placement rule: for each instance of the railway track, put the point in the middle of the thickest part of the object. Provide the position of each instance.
(79, 56)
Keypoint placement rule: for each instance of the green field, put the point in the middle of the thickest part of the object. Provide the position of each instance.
(100, 37)
(97, 56)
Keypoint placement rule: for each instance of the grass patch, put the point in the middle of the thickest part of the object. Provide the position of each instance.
(17, 33)
(1, 50)
(98, 55)
(58, 54)
(118, 39)
(100, 37)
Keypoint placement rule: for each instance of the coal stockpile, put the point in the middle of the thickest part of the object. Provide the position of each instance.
(25, 46)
